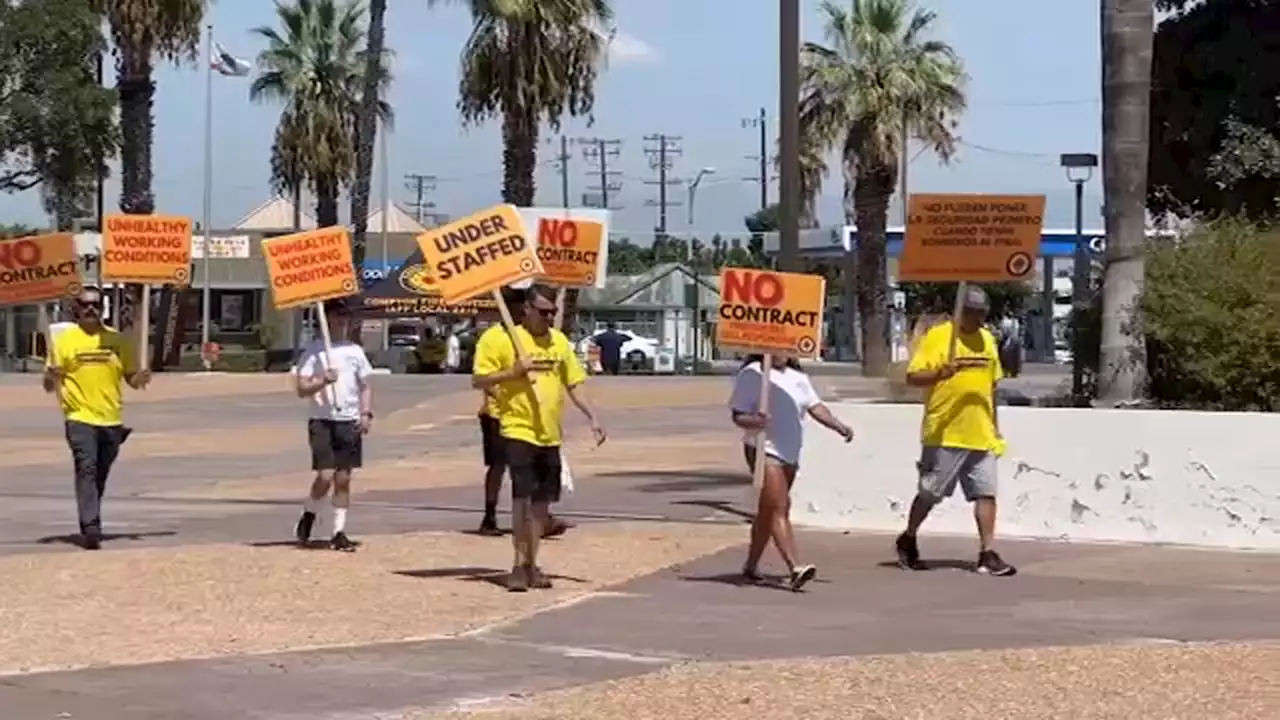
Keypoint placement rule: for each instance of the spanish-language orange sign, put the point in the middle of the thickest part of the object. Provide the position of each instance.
(570, 251)
(38, 268)
(310, 267)
(146, 249)
(480, 253)
(971, 238)
(771, 312)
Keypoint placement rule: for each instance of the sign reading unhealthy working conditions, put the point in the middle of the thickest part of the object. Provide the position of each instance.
(479, 254)
(146, 249)
(570, 251)
(38, 268)
(310, 267)
(771, 312)
(971, 238)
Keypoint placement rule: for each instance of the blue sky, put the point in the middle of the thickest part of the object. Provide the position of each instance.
(692, 69)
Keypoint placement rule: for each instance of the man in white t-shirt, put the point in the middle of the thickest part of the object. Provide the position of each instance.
(340, 396)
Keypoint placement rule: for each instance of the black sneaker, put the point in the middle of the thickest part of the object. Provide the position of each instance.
(91, 540)
(342, 543)
(751, 576)
(303, 530)
(908, 552)
(538, 580)
(801, 577)
(990, 563)
(489, 528)
(518, 580)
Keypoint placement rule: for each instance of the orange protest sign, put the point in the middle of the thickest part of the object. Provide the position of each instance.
(310, 267)
(570, 251)
(480, 253)
(146, 249)
(971, 238)
(38, 268)
(771, 312)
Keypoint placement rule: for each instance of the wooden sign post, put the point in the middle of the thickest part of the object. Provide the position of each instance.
(773, 313)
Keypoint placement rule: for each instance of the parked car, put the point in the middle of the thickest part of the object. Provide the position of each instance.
(638, 352)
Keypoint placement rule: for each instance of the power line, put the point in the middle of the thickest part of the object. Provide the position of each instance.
(599, 151)
(662, 151)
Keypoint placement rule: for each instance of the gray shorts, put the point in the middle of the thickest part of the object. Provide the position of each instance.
(941, 468)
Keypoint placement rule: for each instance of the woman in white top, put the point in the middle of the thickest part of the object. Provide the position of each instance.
(791, 398)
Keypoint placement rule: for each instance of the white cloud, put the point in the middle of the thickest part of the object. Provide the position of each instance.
(628, 48)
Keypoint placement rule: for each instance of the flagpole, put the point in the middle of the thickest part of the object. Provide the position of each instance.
(206, 299)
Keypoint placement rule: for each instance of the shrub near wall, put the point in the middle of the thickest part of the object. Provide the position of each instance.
(1210, 314)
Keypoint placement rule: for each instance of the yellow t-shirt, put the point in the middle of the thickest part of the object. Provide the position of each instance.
(94, 366)
(528, 414)
(958, 411)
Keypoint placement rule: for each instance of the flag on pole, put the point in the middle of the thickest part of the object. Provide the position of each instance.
(227, 64)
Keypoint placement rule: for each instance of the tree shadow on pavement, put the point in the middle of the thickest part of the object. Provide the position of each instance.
(938, 564)
(470, 573)
(723, 506)
(78, 540)
(665, 481)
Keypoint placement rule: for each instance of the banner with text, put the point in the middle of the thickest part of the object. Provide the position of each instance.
(310, 267)
(479, 254)
(39, 268)
(146, 249)
(771, 312)
(971, 238)
(570, 251)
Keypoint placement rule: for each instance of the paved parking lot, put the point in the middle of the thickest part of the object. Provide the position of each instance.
(232, 623)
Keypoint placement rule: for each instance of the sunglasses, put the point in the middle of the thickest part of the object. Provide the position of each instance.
(544, 312)
(89, 304)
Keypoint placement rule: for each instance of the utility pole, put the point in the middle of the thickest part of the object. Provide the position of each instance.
(420, 185)
(662, 151)
(762, 123)
(598, 152)
(562, 161)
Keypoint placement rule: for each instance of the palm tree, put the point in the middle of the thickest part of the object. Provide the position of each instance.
(878, 74)
(531, 61)
(1127, 36)
(314, 67)
(142, 31)
(367, 127)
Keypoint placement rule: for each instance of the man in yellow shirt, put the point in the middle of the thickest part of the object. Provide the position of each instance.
(528, 394)
(86, 366)
(959, 435)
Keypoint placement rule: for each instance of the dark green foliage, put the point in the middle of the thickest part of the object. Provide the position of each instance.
(1209, 319)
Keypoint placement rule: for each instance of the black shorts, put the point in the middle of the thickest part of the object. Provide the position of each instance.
(491, 441)
(535, 471)
(335, 444)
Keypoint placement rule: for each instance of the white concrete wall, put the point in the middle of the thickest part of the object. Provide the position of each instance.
(1195, 478)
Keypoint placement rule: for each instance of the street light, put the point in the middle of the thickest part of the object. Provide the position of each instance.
(1079, 167)
(693, 192)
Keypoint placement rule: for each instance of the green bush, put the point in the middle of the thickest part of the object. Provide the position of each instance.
(232, 359)
(1210, 316)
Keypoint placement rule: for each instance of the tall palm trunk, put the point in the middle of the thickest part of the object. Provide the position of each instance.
(519, 156)
(1127, 36)
(367, 130)
(137, 90)
(326, 202)
(872, 190)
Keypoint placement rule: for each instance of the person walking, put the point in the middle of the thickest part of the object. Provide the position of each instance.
(792, 397)
(528, 397)
(86, 367)
(491, 442)
(337, 385)
(960, 434)
(610, 343)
